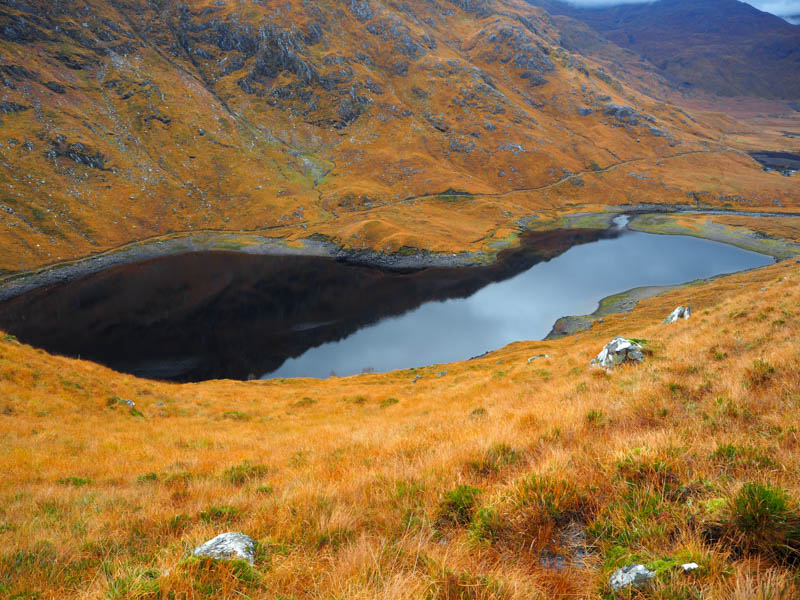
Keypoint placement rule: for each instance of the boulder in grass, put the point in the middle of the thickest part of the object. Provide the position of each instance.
(633, 576)
(682, 312)
(229, 546)
(618, 351)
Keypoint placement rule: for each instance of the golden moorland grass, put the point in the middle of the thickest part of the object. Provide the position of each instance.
(501, 478)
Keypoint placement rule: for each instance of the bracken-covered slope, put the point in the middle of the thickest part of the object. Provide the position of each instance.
(123, 120)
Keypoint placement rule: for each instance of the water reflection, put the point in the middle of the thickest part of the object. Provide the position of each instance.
(228, 315)
(525, 306)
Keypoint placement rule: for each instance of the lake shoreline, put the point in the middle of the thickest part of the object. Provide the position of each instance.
(407, 259)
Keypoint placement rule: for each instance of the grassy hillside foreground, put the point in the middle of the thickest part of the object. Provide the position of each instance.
(502, 478)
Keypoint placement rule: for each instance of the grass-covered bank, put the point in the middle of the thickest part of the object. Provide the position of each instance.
(499, 479)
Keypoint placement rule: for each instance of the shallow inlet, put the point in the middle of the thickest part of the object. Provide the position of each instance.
(227, 315)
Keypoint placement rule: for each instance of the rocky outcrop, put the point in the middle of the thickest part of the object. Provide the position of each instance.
(633, 576)
(77, 153)
(682, 312)
(8, 108)
(626, 114)
(618, 351)
(516, 46)
(228, 546)
(478, 7)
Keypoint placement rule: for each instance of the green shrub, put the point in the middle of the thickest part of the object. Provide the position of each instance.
(235, 415)
(595, 417)
(241, 474)
(642, 470)
(304, 402)
(75, 481)
(758, 374)
(334, 538)
(457, 506)
(742, 456)
(496, 457)
(557, 499)
(219, 514)
(147, 478)
(762, 520)
(389, 402)
(177, 523)
(141, 583)
(486, 526)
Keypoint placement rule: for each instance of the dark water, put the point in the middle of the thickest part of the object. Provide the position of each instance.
(227, 315)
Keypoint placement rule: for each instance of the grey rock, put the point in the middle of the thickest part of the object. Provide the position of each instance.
(229, 546)
(682, 312)
(689, 567)
(618, 351)
(462, 144)
(537, 357)
(8, 108)
(635, 576)
(584, 111)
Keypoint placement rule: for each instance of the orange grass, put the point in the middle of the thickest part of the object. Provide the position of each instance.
(345, 493)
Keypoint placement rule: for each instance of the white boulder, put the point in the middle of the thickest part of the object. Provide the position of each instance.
(682, 312)
(617, 351)
(635, 576)
(229, 546)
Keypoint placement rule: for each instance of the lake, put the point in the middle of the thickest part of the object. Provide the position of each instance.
(216, 315)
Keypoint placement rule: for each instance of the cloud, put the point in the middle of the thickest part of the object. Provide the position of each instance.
(782, 8)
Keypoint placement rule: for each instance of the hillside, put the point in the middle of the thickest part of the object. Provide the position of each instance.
(721, 47)
(477, 136)
(368, 123)
(505, 478)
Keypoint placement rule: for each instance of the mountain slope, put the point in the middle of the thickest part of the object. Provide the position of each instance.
(723, 47)
(124, 120)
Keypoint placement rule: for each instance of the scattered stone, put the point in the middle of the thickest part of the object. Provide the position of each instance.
(229, 546)
(127, 402)
(442, 374)
(617, 351)
(682, 312)
(56, 87)
(8, 108)
(635, 576)
(689, 567)
(537, 357)
(416, 379)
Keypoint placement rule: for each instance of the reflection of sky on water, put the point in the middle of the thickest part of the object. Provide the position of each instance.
(524, 307)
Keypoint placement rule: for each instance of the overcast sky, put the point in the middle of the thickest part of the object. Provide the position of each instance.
(782, 8)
